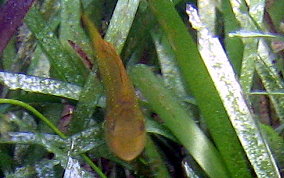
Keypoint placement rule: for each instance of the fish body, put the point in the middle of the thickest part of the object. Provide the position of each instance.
(124, 122)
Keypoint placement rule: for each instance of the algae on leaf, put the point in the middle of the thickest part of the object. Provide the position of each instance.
(40, 85)
(234, 101)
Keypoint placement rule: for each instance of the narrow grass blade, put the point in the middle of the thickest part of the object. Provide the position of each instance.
(121, 22)
(38, 170)
(252, 34)
(178, 121)
(60, 60)
(257, 54)
(40, 85)
(40, 65)
(248, 63)
(89, 98)
(234, 46)
(156, 128)
(207, 13)
(50, 142)
(188, 170)
(86, 140)
(270, 78)
(267, 93)
(234, 101)
(241, 12)
(198, 81)
(52, 126)
(154, 158)
(169, 69)
(46, 168)
(74, 169)
(70, 27)
(276, 143)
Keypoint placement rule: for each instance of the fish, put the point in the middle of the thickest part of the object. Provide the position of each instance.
(124, 121)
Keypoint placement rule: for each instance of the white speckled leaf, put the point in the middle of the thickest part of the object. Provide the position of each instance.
(234, 102)
(40, 85)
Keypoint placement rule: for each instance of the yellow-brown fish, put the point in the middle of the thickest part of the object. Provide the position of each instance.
(124, 121)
